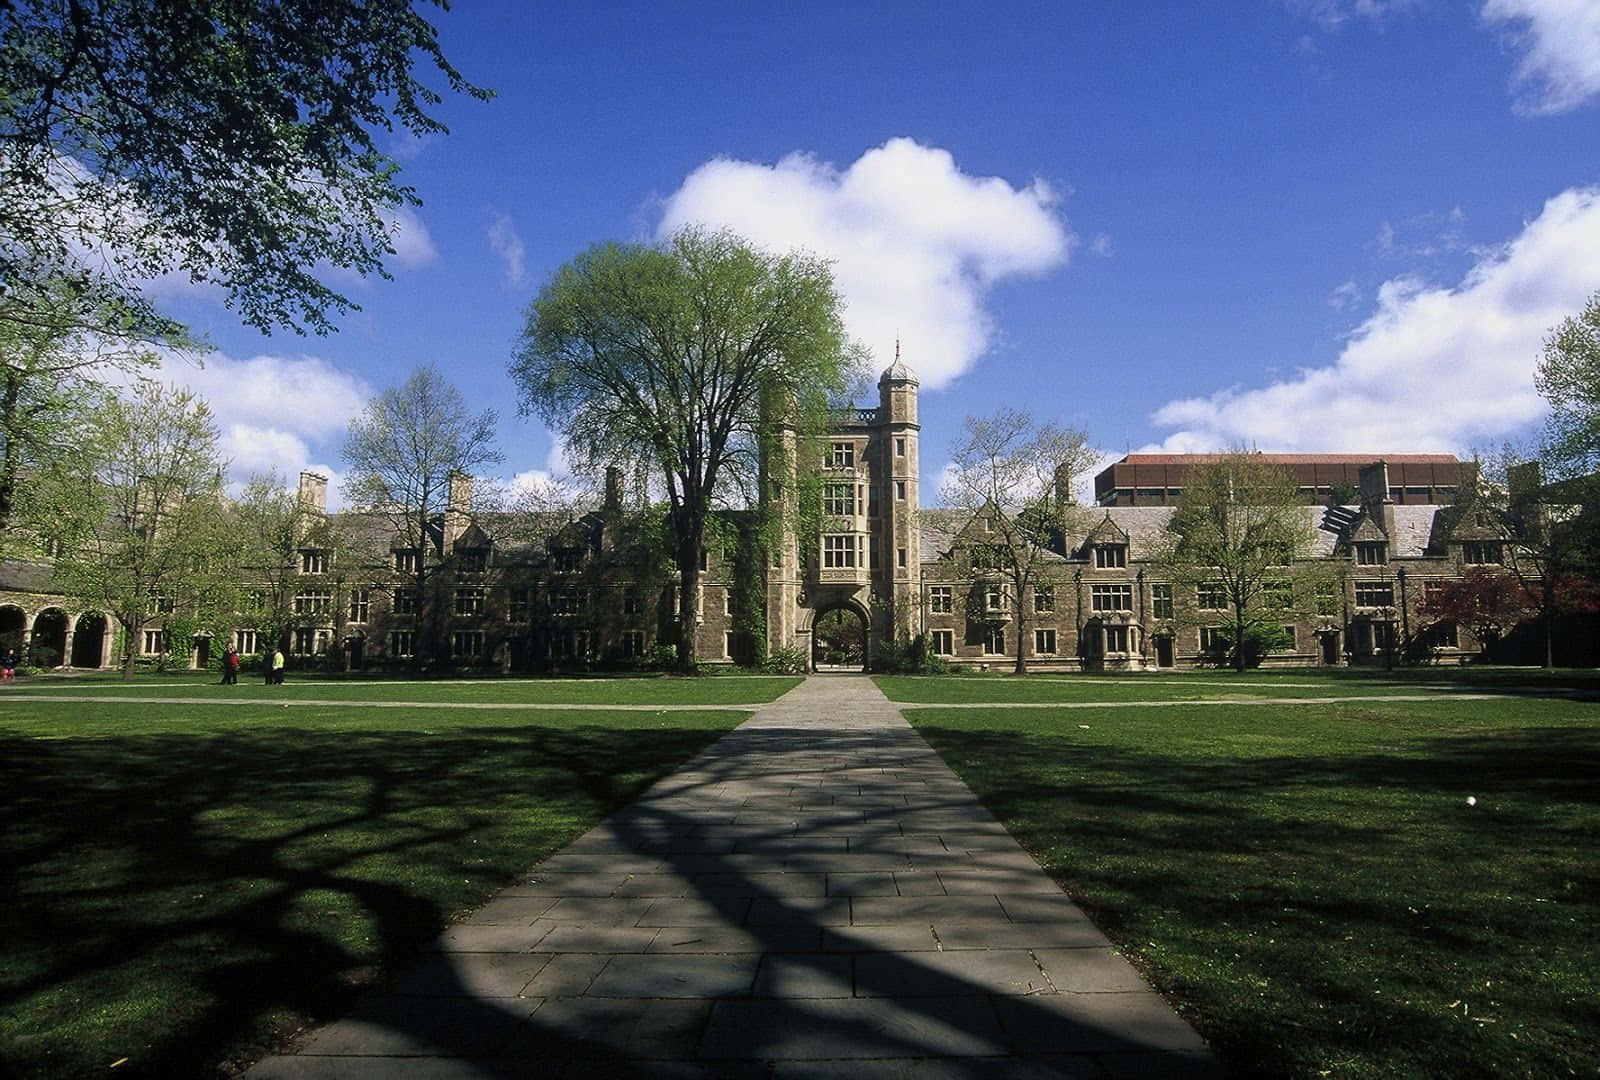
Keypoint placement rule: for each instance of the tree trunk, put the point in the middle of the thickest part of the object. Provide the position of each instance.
(688, 607)
(129, 651)
(1238, 641)
(1022, 641)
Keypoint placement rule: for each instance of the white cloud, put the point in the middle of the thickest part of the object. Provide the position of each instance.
(303, 395)
(507, 245)
(1344, 296)
(1433, 368)
(1331, 15)
(915, 242)
(413, 244)
(1559, 69)
(283, 413)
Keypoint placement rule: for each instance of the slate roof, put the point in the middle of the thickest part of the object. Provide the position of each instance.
(939, 527)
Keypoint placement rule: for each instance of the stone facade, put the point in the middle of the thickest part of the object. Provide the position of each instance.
(506, 596)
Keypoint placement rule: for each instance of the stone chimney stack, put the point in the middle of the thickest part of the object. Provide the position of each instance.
(314, 492)
(458, 507)
(1373, 482)
(613, 489)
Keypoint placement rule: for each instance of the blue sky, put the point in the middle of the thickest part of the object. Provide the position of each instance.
(1313, 225)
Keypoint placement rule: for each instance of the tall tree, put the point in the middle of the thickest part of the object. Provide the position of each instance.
(402, 452)
(139, 513)
(687, 356)
(1018, 475)
(233, 141)
(1238, 530)
(1568, 376)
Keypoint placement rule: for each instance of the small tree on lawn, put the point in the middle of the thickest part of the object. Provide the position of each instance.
(140, 515)
(1238, 531)
(1015, 476)
(402, 452)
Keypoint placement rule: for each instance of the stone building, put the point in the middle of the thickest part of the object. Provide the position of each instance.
(506, 593)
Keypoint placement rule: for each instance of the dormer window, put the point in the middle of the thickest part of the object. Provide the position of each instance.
(1372, 552)
(842, 455)
(407, 560)
(565, 560)
(1110, 556)
(1481, 552)
(313, 561)
(473, 560)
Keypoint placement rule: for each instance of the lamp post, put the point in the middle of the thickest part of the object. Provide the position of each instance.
(1405, 618)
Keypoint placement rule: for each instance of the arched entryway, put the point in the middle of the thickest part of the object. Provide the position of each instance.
(89, 640)
(13, 629)
(839, 639)
(48, 644)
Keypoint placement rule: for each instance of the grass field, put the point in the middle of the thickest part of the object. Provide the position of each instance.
(1310, 883)
(182, 883)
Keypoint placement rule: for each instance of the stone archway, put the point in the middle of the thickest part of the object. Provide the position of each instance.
(47, 645)
(840, 638)
(13, 629)
(89, 640)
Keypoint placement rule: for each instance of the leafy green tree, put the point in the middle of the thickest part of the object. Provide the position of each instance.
(1238, 530)
(402, 452)
(50, 371)
(1017, 475)
(139, 511)
(1568, 376)
(232, 141)
(687, 356)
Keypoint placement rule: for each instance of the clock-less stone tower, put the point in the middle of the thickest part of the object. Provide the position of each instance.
(866, 555)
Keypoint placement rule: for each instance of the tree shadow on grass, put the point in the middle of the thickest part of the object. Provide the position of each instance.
(170, 898)
(1330, 907)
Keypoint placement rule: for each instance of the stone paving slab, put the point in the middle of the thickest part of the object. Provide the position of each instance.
(816, 895)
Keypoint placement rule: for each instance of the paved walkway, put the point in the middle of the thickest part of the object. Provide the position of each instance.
(816, 895)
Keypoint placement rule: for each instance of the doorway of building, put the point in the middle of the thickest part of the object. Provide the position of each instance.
(839, 640)
(1330, 649)
(1163, 645)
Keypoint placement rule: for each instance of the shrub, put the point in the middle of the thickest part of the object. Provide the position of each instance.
(909, 656)
(789, 660)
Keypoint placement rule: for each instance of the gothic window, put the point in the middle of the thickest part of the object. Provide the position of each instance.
(1110, 556)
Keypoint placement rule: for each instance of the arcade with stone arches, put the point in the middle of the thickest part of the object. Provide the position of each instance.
(52, 636)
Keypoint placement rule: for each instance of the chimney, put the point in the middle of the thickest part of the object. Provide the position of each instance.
(458, 506)
(1373, 484)
(314, 492)
(613, 489)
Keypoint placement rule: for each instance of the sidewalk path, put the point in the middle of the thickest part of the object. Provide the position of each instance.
(816, 895)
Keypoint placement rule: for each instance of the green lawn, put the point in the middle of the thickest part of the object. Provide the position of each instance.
(1135, 687)
(1310, 883)
(183, 883)
(742, 690)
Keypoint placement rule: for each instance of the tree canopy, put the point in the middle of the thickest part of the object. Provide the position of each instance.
(687, 356)
(231, 141)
